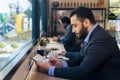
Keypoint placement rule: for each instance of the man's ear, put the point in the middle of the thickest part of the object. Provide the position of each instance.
(86, 22)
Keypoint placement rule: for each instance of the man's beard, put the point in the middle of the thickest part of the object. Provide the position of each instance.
(83, 33)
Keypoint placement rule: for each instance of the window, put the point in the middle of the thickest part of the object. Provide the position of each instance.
(114, 9)
(114, 19)
(15, 32)
(15, 25)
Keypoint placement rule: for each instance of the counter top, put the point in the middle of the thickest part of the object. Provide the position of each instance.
(35, 74)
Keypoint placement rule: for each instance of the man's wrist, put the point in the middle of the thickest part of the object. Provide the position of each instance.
(64, 64)
(51, 71)
(61, 65)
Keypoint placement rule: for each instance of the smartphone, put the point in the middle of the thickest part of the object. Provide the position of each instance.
(40, 58)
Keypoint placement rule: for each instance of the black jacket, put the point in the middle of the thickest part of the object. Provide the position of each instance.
(99, 60)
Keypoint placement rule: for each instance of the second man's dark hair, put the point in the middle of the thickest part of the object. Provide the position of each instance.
(65, 20)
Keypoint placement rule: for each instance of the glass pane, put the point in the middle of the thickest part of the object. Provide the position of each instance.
(114, 3)
(15, 25)
(116, 12)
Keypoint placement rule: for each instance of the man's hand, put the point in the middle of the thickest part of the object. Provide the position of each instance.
(44, 67)
(62, 53)
(55, 62)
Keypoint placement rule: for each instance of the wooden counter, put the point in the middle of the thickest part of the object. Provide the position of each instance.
(34, 74)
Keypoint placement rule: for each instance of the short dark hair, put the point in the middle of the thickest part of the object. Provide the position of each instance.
(82, 13)
(65, 19)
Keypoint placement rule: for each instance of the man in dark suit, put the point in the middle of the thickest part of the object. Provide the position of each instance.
(99, 58)
(69, 39)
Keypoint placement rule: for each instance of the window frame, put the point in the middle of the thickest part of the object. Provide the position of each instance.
(9, 64)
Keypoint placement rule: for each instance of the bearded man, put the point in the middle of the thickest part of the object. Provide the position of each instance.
(99, 58)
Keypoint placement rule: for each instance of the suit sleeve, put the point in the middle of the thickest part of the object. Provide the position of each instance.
(94, 56)
(72, 55)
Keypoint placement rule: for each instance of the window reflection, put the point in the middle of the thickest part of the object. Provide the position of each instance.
(15, 25)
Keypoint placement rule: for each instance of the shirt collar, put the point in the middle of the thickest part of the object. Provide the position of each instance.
(68, 26)
(88, 36)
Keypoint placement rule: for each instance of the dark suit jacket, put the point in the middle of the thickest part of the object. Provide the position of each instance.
(69, 41)
(99, 60)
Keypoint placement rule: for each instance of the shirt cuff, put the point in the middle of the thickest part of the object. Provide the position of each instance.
(51, 71)
(64, 64)
(52, 68)
(62, 37)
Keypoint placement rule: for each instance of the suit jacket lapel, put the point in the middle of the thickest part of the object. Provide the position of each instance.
(84, 48)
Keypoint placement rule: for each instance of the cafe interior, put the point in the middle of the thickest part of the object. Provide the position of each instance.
(31, 27)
